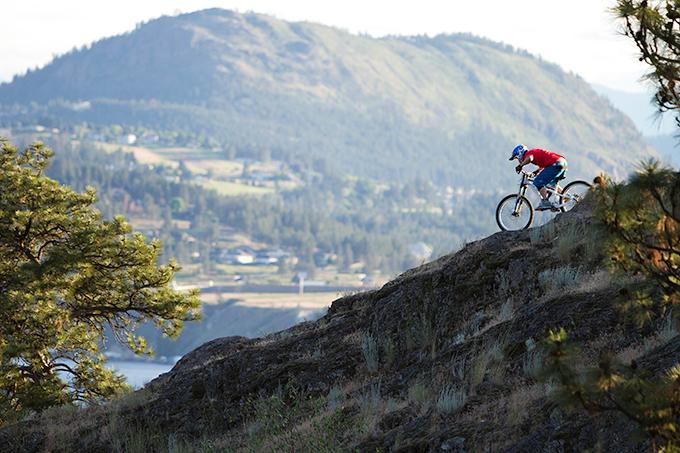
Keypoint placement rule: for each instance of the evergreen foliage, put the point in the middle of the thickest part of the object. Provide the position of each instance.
(642, 224)
(655, 27)
(652, 402)
(66, 275)
(640, 221)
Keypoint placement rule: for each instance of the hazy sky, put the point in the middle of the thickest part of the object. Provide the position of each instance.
(579, 35)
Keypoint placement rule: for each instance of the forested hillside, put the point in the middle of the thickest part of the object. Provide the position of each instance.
(353, 219)
(392, 109)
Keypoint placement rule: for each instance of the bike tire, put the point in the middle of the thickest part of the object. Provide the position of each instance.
(579, 187)
(499, 211)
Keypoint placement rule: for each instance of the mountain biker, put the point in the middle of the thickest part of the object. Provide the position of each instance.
(551, 168)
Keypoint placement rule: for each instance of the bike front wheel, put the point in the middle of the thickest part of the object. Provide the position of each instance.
(572, 194)
(514, 213)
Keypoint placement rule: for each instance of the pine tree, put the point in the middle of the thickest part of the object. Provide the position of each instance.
(654, 26)
(66, 275)
(640, 226)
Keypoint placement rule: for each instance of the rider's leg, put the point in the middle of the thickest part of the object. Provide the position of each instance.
(549, 176)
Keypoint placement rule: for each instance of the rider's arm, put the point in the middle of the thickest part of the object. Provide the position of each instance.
(527, 160)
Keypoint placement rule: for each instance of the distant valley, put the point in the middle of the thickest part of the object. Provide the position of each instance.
(259, 150)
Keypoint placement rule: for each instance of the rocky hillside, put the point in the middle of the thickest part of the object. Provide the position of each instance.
(443, 358)
(396, 107)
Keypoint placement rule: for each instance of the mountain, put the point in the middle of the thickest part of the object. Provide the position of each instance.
(443, 358)
(667, 145)
(641, 108)
(446, 108)
(659, 131)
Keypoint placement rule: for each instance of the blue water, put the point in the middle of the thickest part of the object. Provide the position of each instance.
(139, 373)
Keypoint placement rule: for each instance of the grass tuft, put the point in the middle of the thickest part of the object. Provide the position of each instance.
(558, 278)
(369, 348)
(533, 359)
(451, 399)
(335, 398)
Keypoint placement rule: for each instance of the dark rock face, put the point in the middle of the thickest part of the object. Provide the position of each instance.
(465, 321)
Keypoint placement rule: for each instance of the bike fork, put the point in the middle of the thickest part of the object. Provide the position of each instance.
(518, 203)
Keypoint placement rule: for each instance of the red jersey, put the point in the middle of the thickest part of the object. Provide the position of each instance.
(542, 158)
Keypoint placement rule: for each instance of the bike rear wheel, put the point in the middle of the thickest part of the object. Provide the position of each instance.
(514, 213)
(573, 193)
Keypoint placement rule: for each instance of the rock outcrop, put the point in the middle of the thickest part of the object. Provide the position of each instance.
(443, 358)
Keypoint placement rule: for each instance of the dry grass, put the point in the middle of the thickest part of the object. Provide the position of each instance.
(217, 167)
(64, 425)
(142, 155)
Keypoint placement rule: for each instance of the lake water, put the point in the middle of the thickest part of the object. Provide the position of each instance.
(139, 373)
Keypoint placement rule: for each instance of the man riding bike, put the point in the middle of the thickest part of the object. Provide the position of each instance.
(551, 168)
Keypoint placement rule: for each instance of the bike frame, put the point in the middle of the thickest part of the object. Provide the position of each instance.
(527, 178)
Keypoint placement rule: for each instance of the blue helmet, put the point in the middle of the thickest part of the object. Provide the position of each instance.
(518, 152)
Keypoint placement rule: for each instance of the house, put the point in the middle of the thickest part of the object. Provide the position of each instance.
(236, 256)
(270, 256)
(260, 176)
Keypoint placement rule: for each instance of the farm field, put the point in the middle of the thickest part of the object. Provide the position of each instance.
(308, 301)
(228, 188)
(227, 177)
(145, 156)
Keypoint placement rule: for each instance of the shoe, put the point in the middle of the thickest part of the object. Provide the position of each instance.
(545, 205)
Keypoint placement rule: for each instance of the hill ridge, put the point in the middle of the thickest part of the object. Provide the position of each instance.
(440, 359)
(402, 108)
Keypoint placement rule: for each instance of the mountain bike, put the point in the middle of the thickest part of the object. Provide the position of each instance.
(516, 212)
